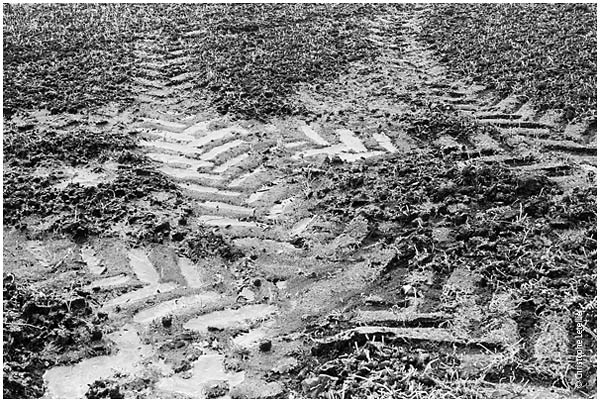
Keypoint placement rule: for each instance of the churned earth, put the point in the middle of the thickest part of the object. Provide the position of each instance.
(262, 201)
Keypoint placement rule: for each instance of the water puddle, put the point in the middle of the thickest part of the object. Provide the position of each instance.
(142, 267)
(94, 264)
(247, 294)
(196, 188)
(351, 141)
(251, 338)
(191, 272)
(206, 370)
(295, 144)
(227, 208)
(216, 151)
(313, 135)
(230, 163)
(71, 382)
(180, 306)
(109, 282)
(385, 142)
(221, 221)
(140, 294)
(224, 319)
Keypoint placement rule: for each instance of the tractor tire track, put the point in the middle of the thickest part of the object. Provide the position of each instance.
(237, 174)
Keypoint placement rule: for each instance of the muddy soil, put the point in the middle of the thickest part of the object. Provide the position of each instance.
(406, 233)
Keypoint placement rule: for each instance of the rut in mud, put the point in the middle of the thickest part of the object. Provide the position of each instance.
(246, 277)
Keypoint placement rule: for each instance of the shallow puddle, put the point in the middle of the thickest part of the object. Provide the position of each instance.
(142, 267)
(294, 144)
(348, 138)
(251, 338)
(230, 318)
(196, 188)
(207, 369)
(128, 298)
(180, 306)
(313, 135)
(94, 264)
(226, 208)
(191, 272)
(71, 382)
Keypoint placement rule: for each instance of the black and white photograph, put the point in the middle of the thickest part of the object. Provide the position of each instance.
(381, 200)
